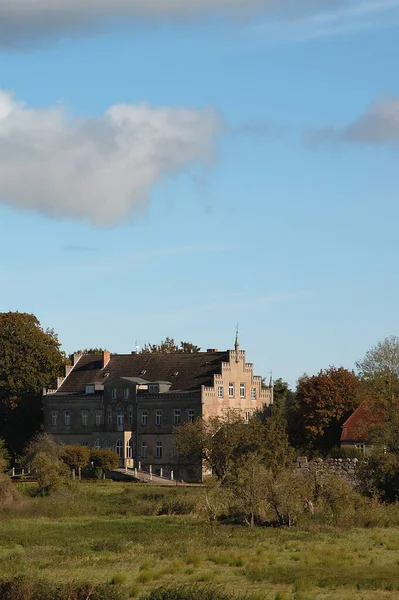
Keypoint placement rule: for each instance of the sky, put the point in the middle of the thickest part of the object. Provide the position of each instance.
(173, 168)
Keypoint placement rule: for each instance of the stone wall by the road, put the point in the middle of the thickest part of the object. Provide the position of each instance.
(340, 467)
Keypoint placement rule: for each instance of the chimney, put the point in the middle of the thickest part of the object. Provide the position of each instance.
(76, 357)
(106, 357)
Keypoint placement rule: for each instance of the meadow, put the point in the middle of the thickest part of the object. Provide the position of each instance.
(136, 538)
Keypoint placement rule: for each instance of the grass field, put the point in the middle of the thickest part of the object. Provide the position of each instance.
(122, 533)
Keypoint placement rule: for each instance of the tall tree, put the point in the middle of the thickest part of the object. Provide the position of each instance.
(379, 368)
(30, 359)
(168, 345)
(323, 402)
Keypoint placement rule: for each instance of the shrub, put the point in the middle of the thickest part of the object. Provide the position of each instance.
(104, 460)
(26, 588)
(193, 592)
(75, 456)
(346, 452)
(8, 492)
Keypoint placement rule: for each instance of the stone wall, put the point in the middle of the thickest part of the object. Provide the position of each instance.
(340, 467)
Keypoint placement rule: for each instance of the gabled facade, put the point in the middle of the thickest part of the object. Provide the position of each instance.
(131, 403)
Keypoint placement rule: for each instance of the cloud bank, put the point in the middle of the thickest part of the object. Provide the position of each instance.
(379, 124)
(22, 21)
(100, 169)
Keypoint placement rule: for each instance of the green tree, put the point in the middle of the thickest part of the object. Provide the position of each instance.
(30, 359)
(4, 457)
(168, 346)
(42, 457)
(104, 460)
(380, 368)
(323, 402)
(224, 443)
(76, 457)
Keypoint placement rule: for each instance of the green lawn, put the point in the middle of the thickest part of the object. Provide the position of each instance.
(120, 531)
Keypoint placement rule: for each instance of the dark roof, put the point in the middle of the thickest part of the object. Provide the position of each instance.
(357, 427)
(185, 371)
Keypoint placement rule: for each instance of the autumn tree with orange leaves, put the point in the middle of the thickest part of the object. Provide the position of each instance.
(323, 402)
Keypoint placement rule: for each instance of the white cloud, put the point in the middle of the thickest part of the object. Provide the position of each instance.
(22, 21)
(378, 124)
(100, 169)
(346, 18)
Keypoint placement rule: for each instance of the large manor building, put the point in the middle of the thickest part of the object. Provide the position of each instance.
(132, 403)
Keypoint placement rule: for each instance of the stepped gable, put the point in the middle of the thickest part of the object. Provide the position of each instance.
(185, 371)
(356, 428)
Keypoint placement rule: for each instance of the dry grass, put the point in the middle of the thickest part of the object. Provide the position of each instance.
(97, 535)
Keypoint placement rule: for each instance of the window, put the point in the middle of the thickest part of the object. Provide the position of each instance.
(253, 393)
(130, 448)
(97, 444)
(143, 449)
(153, 388)
(109, 416)
(119, 420)
(130, 415)
(126, 393)
(158, 417)
(176, 417)
(231, 390)
(108, 444)
(242, 390)
(119, 448)
(67, 418)
(191, 416)
(220, 391)
(247, 416)
(98, 417)
(113, 394)
(144, 417)
(159, 450)
(54, 417)
(85, 418)
(89, 389)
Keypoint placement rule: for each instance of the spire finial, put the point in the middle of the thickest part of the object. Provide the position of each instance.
(237, 344)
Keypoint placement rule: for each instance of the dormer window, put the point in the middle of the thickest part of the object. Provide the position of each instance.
(143, 372)
(90, 389)
(175, 374)
(153, 388)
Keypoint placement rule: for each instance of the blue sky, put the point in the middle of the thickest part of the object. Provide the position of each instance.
(165, 173)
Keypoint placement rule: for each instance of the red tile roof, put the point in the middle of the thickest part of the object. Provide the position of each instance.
(357, 427)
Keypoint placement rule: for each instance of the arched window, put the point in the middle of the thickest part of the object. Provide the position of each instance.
(108, 444)
(97, 444)
(119, 448)
(130, 415)
(109, 415)
(130, 448)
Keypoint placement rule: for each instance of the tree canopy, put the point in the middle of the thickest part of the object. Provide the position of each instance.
(30, 359)
(379, 368)
(168, 345)
(322, 404)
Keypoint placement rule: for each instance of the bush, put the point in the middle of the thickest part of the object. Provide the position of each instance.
(75, 456)
(193, 592)
(22, 588)
(8, 492)
(104, 460)
(346, 452)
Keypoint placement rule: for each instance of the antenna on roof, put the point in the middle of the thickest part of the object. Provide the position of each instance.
(237, 344)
